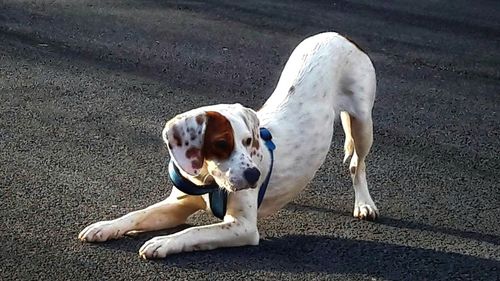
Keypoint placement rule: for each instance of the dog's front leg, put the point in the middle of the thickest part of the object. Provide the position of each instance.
(239, 228)
(166, 214)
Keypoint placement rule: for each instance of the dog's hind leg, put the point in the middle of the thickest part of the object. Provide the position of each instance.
(358, 87)
(362, 135)
(349, 142)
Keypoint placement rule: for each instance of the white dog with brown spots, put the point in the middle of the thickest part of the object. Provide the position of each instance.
(326, 76)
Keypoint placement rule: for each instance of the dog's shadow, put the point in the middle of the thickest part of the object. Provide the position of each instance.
(325, 255)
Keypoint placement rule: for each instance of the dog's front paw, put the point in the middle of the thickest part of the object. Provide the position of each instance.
(100, 231)
(160, 247)
(366, 212)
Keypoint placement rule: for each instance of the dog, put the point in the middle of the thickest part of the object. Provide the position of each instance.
(255, 162)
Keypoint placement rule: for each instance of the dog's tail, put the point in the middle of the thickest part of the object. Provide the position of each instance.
(349, 141)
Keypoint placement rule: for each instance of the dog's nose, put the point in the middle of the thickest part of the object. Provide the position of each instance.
(251, 175)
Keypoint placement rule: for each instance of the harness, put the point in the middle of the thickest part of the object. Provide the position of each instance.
(218, 196)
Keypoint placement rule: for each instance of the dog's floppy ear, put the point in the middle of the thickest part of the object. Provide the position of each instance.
(192, 138)
(184, 136)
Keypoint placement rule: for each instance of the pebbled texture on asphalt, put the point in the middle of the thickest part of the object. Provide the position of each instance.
(86, 87)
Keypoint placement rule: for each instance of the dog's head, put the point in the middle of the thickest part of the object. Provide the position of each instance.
(220, 142)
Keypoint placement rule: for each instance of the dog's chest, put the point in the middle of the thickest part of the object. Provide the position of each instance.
(301, 150)
(302, 132)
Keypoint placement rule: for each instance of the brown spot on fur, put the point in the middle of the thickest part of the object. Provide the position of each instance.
(219, 138)
(255, 140)
(193, 152)
(200, 119)
(197, 163)
(255, 144)
(352, 170)
(177, 136)
(196, 157)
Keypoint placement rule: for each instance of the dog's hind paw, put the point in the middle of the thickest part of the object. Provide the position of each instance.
(366, 212)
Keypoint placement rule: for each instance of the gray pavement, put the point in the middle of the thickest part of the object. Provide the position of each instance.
(86, 86)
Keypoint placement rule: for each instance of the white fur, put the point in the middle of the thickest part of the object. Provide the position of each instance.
(325, 76)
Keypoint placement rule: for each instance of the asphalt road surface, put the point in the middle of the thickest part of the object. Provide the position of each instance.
(86, 87)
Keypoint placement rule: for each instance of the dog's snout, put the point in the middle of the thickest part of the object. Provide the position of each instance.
(251, 175)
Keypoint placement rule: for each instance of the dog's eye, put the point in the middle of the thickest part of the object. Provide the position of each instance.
(247, 141)
(221, 144)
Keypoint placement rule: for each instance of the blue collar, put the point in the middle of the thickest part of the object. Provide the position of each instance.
(218, 196)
